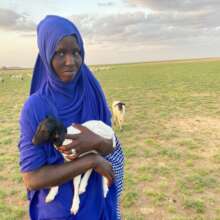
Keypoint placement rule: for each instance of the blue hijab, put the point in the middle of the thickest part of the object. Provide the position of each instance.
(77, 101)
(81, 99)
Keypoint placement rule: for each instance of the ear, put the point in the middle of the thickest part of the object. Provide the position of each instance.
(38, 137)
(44, 131)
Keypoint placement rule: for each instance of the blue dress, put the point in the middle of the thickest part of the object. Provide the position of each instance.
(93, 206)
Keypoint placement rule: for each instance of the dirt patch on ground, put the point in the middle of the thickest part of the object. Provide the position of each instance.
(204, 94)
(197, 124)
(205, 131)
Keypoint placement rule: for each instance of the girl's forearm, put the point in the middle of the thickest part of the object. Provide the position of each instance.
(53, 175)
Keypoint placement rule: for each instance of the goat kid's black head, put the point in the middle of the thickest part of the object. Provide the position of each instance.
(50, 130)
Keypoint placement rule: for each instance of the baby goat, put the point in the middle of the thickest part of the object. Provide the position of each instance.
(118, 111)
(52, 130)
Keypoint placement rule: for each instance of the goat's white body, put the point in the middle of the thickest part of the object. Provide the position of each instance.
(80, 184)
(118, 116)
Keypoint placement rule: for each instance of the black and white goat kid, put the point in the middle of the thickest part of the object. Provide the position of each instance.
(54, 131)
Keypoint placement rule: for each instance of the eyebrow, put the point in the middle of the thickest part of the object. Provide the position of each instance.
(60, 48)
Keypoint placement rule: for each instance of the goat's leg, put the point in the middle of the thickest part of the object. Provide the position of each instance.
(122, 122)
(52, 194)
(119, 123)
(105, 186)
(84, 181)
(76, 201)
(114, 120)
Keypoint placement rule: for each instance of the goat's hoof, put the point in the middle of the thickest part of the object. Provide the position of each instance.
(74, 209)
(49, 199)
(105, 192)
(82, 190)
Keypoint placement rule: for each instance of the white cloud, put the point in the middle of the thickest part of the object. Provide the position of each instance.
(174, 5)
(13, 21)
(106, 4)
(170, 29)
(140, 28)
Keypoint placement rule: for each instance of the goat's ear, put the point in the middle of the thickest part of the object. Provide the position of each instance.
(44, 130)
(123, 103)
(38, 136)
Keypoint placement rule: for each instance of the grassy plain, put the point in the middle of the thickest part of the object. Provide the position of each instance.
(171, 139)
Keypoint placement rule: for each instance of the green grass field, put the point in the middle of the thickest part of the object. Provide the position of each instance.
(171, 139)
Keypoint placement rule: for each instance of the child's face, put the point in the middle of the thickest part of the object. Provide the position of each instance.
(67, 59)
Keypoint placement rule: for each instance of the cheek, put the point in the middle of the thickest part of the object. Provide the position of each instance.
(56, 65)
(79, 63)
(53, 64)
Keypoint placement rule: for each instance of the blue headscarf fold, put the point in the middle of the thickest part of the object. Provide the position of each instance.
(82, 98)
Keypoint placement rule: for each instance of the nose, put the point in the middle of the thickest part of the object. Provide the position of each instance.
(69, 60)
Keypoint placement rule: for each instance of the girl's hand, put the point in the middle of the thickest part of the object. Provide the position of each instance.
(104, 168)
(81, 143)
(100, 165)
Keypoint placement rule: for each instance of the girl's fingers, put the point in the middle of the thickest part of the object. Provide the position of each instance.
(68, 146)
(110, 180)
(70, 157)
(72, 136)
(67, 152)
(79, 127)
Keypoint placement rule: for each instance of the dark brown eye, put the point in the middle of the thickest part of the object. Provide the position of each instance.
(60, 54)
(76, 53)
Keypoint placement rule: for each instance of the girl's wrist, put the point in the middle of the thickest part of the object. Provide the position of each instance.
(105, 146)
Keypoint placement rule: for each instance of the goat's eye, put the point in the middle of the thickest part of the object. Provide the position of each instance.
(56, 135)
(43, 131)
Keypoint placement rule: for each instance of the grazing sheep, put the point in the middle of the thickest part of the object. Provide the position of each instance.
(52, 130)
(17, 77)
(100, 68)
(118, 110)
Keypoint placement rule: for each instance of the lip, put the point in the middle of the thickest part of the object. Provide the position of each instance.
(69, 71)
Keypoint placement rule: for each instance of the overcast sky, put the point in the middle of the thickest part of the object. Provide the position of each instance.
(116, 31)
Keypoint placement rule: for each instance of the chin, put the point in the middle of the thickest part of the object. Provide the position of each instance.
(68, 77)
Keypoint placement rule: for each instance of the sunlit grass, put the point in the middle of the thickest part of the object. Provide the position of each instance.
(171, 139)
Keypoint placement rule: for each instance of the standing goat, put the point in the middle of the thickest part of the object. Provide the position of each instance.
(118, 111)
(52, 130)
